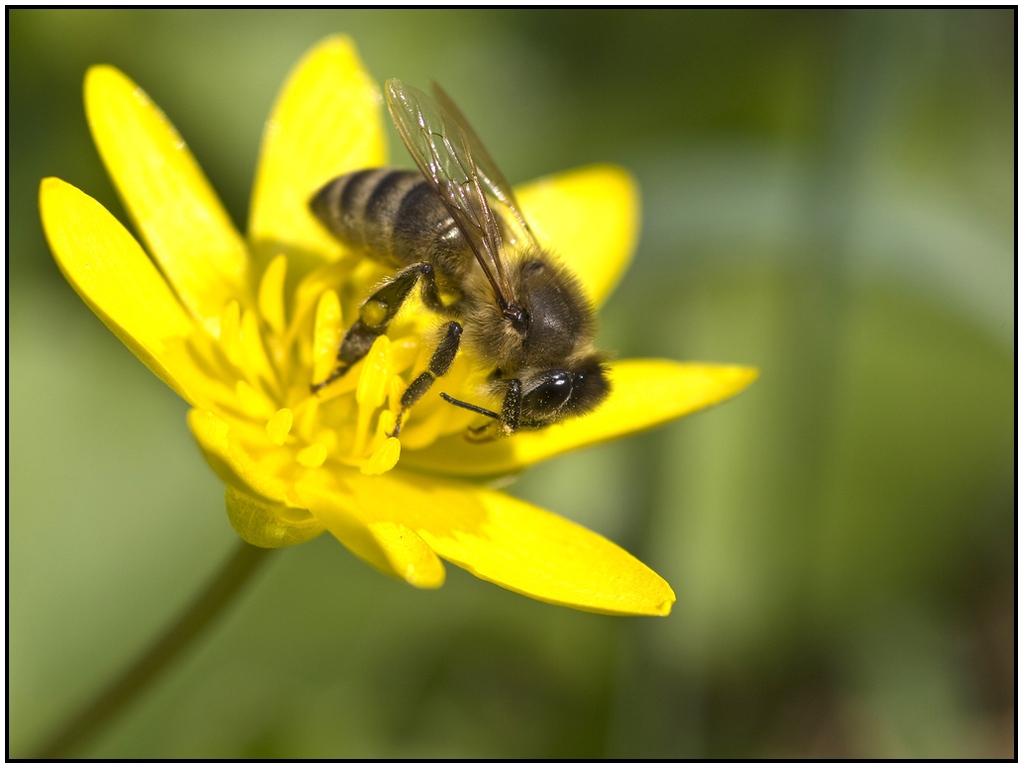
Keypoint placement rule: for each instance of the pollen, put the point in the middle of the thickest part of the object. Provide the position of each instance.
(373, 313)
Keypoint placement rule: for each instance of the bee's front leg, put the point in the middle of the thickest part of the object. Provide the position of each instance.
(543, 405)
(511, 408)
(440, 362)
(503, 424)
(376, 314)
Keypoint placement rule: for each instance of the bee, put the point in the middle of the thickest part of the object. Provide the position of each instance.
(455, 228)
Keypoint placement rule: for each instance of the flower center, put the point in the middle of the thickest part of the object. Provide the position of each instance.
(268, 358)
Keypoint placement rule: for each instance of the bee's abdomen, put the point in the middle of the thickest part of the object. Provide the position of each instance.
(390, 213)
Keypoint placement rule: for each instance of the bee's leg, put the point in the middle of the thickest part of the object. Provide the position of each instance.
(506, 423)
(376, 314)
(440, 362)
(511, 407)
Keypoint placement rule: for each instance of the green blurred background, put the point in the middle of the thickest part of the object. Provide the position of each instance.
(827, 195)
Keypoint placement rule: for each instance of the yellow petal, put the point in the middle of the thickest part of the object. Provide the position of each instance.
(410, 556)
(269, 525)
(182, 222)
(327, 121)
(514, 544)
(112, 274)
(590, 218)
(235, 465)
(645, 393)
(388, 546)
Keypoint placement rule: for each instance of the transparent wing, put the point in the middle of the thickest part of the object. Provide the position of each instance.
(488, 171)
(445, 149)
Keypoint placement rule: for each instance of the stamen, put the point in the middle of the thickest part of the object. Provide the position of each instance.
(312, 287)
(373, 379)
(384, 458)
(326, 336)
(254, 355)
(327, 438)
(229, 339)
(312, 456)
(250, 400)
(270, 297)
(279, 426)
(370, 390)
(405, 351)
(306, 412)
(396, 388)
(386, 423)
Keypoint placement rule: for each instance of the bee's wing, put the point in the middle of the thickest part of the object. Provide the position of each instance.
(444, 146)
(488, 171)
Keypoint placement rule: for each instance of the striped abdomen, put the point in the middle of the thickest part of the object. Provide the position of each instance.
(394, 216)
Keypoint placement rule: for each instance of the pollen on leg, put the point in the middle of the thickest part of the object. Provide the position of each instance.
(373, 313)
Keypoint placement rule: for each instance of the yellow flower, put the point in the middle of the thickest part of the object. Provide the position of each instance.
(241, 327)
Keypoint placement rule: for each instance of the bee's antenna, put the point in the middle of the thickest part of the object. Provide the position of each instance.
(470, 407)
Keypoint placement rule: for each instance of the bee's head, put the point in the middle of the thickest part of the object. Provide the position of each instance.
(542, 398)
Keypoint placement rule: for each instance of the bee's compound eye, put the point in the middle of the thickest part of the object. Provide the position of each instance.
(551, 393)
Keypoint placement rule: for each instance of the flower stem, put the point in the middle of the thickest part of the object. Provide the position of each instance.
(206, 607)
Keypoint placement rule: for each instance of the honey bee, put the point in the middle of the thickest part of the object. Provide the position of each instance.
(455, 228)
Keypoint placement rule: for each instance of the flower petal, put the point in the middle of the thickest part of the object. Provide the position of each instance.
(269, 525)
(388, 546)
(514, 544)
(327, 121)
(259, 478)
(179, 216)
(590, 218)
(112, 274)
(645, 393)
